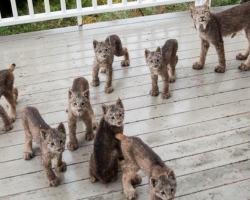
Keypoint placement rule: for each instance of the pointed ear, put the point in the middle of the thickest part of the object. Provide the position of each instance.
(107, 41)
(61, 128)
(158, 50)
(43, 134)
(207, 4)
(147, 52)
(171, 175)
(153, 181)
(119, 103)
(104, 108)
(70, 93)
(86, 93)
(191, 7)
(95, 43)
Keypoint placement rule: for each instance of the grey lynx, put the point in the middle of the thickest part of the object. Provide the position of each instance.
(51, 141)
(139, 156)
(80, 109)
(162, 63)
(104, 57)
(11, 94)
(212, 27)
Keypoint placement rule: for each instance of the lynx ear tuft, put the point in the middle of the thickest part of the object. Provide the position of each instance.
(107, 41)
(70, 93)
(191, 7)
(95, 43)
(153, 181)
(147, 52)
(119, 102)
(158, 50)
(171, 175)
(86, 93)
(104, 108)
(43, 133)
(61, 128)
(207, 4)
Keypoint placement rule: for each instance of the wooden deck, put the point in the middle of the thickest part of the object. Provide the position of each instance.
(202, 131)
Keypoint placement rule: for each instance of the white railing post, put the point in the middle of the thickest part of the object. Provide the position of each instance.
(139, 1)
(63, 6)
(31, 9)
(47, 7)
(110, 3)
(94, 4)
(0, 16)
(201, 2)
(124, 2)
(79, 8)
(14, 9)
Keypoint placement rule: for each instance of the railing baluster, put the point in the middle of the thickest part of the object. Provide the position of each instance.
(47, 7)
(79, 8)
(14, 9)
(0, 16)
(94, 4)
(63, 6)
(31, 9)
(110, 3)
(124, 2)
(139, 1)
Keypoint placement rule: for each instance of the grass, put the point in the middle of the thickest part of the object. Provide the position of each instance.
(71, 4)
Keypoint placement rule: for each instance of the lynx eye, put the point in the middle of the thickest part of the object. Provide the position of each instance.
(113, 118)
(106, 49)
(152, 61)
(121, 115)
(52, 144)
(75, 104)
(163, 193)
(172, 190)
(158, 60)
(61, 141)
(100, 51)
(83, 103)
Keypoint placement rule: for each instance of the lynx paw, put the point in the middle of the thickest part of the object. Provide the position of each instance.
(165, 95)
(125, 63)
(130, 194)
(154, 92)
(72, 145)
(244, 67)
(103, 70)
(92, 179)
(94, 124)
(89, 136)
(8, 127)
(27, 155)
(109, 89)
(95, 83)
(54, 182)
(61, 168)
(12, 119)
(197, 66)
(240, 56)
(171, 79)
(220, 69)
(136, 180)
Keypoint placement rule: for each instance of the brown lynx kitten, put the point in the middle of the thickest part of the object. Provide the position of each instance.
(51, 141)
(162, 63)
(11, 94)
(104, 57)
(80, 109)
(104, 159)
(212, 27)
(137, 155)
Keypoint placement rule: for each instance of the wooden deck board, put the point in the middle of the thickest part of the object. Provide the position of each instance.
(202, 131)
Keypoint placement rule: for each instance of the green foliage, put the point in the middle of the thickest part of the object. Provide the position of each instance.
(71, 4)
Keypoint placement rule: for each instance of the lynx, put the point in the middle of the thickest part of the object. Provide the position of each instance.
(11, 94)
(137, 155)
(80, 109)
(162, 63)
(104, 159)
(212, 27)
(104, 57)
(51, 141)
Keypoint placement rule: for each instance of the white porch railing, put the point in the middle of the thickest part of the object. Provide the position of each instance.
(80, 11)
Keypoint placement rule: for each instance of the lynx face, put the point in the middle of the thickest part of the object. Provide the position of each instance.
(78, 102)
(102, 50)
(200, 14)
(154, 59)
(114, 114)
(164, 186)
(55, 138)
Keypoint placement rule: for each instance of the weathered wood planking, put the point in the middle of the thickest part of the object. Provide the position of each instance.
(202, 131)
